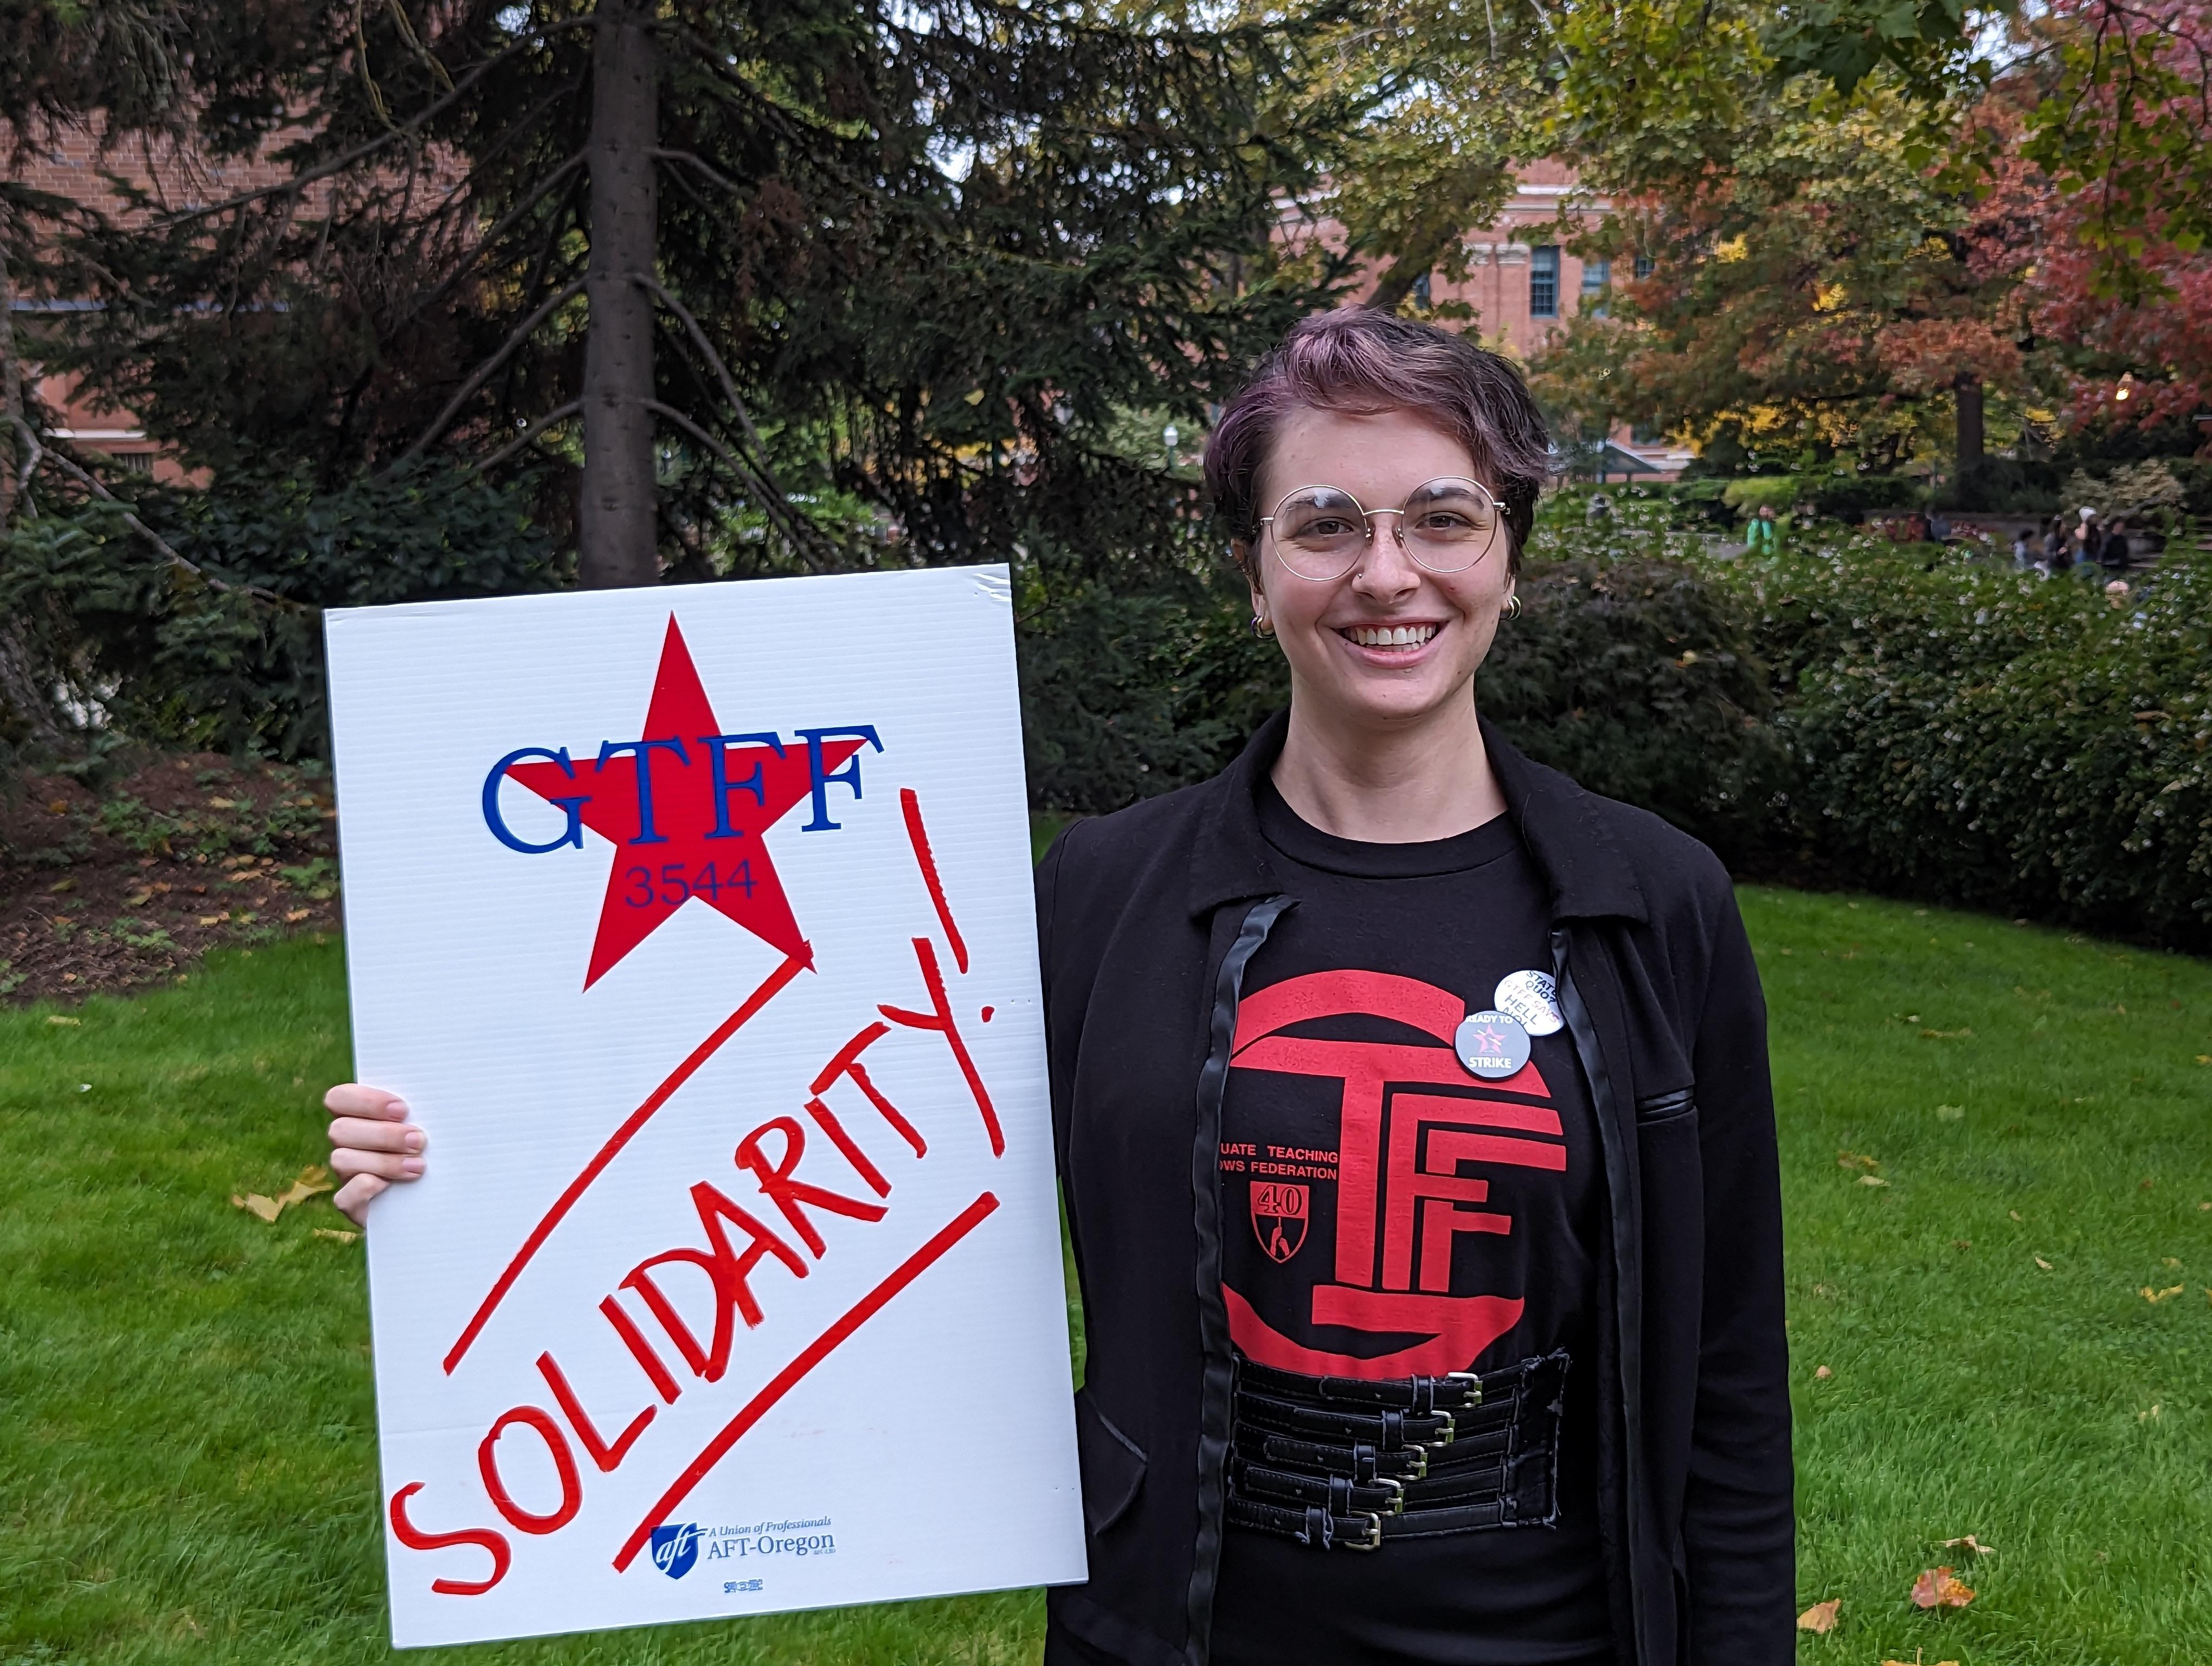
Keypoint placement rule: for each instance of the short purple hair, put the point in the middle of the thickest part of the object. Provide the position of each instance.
(1358, 360)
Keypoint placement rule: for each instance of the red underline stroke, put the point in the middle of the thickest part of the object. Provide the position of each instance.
(792, 966)
(812, 1355)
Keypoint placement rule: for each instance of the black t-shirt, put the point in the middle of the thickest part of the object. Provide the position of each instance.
(1388, 1212)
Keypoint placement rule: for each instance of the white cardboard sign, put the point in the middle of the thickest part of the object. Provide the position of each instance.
(695, 925)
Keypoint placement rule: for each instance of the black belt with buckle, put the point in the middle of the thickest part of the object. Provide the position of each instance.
(1343, 1463)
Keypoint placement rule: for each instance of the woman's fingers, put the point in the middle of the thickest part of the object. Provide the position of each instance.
(352, 1099)
(347, 1161)
(372, 1145)
(359, 1134)
(352, 1198)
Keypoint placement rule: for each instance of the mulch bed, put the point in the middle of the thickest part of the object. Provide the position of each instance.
(125, 881)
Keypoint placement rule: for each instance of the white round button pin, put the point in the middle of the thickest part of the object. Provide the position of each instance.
(1492, 1044)
(1532, 997)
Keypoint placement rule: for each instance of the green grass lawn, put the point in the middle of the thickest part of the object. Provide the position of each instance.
(185, 1419)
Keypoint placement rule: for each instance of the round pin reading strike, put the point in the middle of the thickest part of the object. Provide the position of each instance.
(1492, 1044)
(1533, 998)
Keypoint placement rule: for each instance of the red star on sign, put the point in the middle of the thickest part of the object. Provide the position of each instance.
(674, 843)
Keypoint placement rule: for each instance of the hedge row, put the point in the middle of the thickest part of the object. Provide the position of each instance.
(1969, 735)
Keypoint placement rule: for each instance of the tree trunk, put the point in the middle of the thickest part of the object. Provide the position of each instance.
(1968, 388)
(11, 395)
(617, 526)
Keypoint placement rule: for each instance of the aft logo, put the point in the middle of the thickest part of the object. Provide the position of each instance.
(676, 1549)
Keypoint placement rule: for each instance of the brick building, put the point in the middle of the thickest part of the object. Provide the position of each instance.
(1525, 283)
(71, 164)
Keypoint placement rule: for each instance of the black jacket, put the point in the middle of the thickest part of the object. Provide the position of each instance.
(1147, 920)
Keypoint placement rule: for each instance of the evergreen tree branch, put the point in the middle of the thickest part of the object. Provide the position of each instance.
(691, 326)
(537, 432)
(338, 164)
(805, 542)
(490, 367)
(58, 456)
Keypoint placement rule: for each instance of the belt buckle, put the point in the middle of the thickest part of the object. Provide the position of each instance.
(1397, 1494)
(1374, 1540)
(1444, 1436)
(1473, 1386)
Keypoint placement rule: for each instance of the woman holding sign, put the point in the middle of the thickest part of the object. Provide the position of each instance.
(1412, 1114)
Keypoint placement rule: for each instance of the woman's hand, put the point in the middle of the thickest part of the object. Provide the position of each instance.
(372, 1145)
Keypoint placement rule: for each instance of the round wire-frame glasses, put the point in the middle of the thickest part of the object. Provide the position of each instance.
(1446, 525)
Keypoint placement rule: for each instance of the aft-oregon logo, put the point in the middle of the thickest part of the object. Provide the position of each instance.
(676, 1549)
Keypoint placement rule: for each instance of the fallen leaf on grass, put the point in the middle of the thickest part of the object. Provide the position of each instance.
(1855, 1160)
(1872, 1180)
(213, 919)
(2040, 1262)
(1916, 1660)
(311, 1181)
(1949, 1113)
(293, 916)
(1820, 1617)
(70, 1024)
(336, 1235)
(1821, 1373)
(1936, 1588)
(1971, 1543)
(59, 886)
(2150, 1295)
(1945, 1035)
(2014, 1214)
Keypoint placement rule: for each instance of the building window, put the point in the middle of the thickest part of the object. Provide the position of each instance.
(1643, 265)
(1597, 276)
(1544, 280)
(135, 462)
(1645, 433)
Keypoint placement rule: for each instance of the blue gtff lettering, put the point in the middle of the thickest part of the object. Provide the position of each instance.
(645, 750)
(819, 779)
(724, 786)
(574, 806)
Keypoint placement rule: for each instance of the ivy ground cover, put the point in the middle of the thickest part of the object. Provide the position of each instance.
(1998, 1156)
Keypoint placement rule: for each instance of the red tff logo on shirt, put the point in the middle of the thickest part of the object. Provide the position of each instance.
(1405, 1193)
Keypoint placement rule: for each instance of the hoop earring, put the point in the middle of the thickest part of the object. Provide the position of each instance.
(1512, 610)
(1261, 629)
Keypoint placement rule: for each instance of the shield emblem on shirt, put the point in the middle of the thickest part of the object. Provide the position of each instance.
(1279, 1218)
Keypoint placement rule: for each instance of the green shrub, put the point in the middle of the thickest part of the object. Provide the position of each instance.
(1852, 496)
(1970, 735)
(1637, 678)
(1777, 492)
(1125, 696)
(163, 654)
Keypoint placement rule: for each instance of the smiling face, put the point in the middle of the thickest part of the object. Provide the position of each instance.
(1389, 644)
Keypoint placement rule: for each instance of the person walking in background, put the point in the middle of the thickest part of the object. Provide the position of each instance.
(2088, 543)
(2118, 550)
(2023, 553)
(2057, 553)
(1759, 537)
